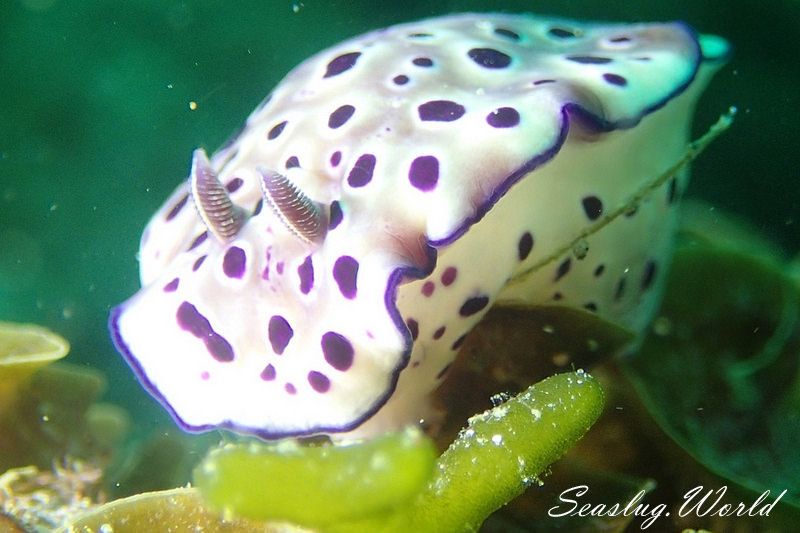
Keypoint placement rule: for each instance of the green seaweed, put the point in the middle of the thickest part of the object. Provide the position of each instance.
(494, 459)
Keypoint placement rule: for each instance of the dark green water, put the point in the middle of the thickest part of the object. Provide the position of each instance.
(96, 129)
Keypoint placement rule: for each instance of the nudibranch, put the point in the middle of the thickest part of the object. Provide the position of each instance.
(318, 274)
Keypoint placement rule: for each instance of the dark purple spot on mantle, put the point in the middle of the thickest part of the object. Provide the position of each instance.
(268, 374)
(620, 40)
(424, 172)
(422, 61)
(234, 185)
(563, 269)
(400, 79)
(590, 306)
(504, 32)
(427, 288)
(172, 286)
(649, 274)
(561, 33)
(599, 270)
(459, 341)
(619, 291)
(361, 173)
(473, 305)
(449, 276)
(589, 60)
(345, 272)
(593, 207)
(280, 332)
(413, 328)
(290, 389)
(292, 162)
(443, 371)
(177, 207)
(489, 57)
(198, 240)
(335, 215)
(306, 273)
(199, 262)
(319, 381)
(259, 206)
(341, 63)
(276, 130)
(542, 82)
(190, 319)
(615, 79)
(340, 116)
(336, 158)
(337, 350)
(438, 333)
(233, 264)
(503, 117)
(524, 246)
(440, 111)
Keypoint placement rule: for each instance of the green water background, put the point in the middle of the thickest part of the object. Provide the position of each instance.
(96, 129)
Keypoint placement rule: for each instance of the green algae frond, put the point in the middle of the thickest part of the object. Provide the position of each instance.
(388, 484)
(24, 348)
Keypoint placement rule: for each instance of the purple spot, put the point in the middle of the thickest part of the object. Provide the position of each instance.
(276, 130)
(591, 306)
(620, 290)
(204, 375)
(542, 82)
(563, 269)
(589, 60)
(280, 333)
(177, 207)
(620, 40)
(593, 207)
(599, 270)
(341, 63)
(336, 158)
(259, 206)
(401, 79)
(424, 172)
(441, 111)
(561, 33)
(473, 305)
(234, 185)
(423, 61)
(413, 328)
(558, 296)
(292, 162)
(443, 371)
(503, 117)
(361, 173)
(290, 389)
(233, 264)
(335, 215)
(190, 319)
(649, 274)
(319, 381)
(306, 274)
(419, 35)
(199, 262)
(459, 341)
(340, 116)
(504, 32)
(438, 333)
(268, 374)
(337, 350)
(524, 246)
(279, 267)
(172, 286)
(615, 79)
(200, 239)
(427, 288)
(449, 276)
(345, 272)
(489, 57)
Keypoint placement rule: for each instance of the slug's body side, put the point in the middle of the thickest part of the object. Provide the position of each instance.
(451, 160)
